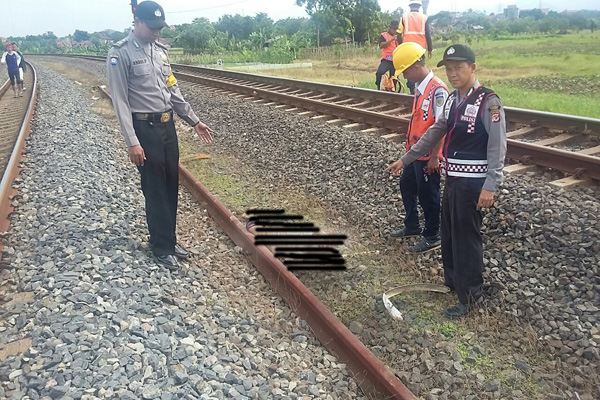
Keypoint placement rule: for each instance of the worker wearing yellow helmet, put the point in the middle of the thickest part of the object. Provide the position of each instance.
(420, 180)
(473, 126)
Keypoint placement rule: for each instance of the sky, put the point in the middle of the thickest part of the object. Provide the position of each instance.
(33, 17)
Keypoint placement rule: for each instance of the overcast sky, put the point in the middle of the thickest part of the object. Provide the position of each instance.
(32, 17)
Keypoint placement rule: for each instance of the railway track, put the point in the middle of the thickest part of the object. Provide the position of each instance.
(566, 143)
(17, 114)
(374, 378)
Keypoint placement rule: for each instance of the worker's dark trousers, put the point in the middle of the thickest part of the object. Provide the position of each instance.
(415, 185)
(160, 182)
(462, 243)
(384, 67)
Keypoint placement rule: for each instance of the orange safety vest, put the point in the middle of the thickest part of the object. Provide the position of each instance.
(414, 28)
(387, 53)
(423, 116)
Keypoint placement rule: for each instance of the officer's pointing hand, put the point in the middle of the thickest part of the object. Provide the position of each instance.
(204, 132)
(137, 155)
(396, 167)
(486, 199)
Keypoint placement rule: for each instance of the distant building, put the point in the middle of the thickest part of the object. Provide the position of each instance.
(570, 12)
(511, 12)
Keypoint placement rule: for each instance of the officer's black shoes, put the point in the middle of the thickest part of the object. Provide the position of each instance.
(457, 311)
(180, 252)
(425, 245)
(169, 261)
(404, 233)
(477, 300)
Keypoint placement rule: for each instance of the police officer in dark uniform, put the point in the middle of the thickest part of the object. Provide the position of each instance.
(474, 125)
(145, 94)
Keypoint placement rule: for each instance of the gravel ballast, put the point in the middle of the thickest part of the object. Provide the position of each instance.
(103, 319)
(542, 254)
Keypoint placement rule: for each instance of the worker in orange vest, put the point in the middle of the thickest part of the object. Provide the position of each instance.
(420, 179)
(415, 28)
(388, 41)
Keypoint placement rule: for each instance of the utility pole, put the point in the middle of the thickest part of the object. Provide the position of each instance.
(134, 4)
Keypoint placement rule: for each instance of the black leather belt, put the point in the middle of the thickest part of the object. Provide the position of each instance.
(154, 117)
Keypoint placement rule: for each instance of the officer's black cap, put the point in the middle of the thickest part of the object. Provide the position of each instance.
(151, 13)
(458, 52)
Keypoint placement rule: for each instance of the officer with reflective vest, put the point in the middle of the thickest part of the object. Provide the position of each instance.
(388, 41)
(144, 95)
(474, 127)
(416, 29)
(421, 179)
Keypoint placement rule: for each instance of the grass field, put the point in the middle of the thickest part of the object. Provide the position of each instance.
(557, 73)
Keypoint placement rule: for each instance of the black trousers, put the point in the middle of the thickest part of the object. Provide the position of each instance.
(462, 243)
(384, 66)
(160, 182)
(415, 185)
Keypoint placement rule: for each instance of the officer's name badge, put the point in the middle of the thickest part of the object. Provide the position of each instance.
(114, 59)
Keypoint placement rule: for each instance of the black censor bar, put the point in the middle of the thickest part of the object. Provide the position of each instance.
(301, 248)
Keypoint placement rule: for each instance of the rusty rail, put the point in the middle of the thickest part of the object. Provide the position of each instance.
(12, 169)
(373, 377)
(371, 374)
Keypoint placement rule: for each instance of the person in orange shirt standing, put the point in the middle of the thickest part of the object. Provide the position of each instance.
(415, 29)
(388, 41)
(420, 180)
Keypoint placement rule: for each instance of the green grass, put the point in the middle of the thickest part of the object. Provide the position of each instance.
(545, 101)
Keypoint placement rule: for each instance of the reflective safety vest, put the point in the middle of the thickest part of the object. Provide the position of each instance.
(387, 53)
(423, 115)
(414, 28)
(465, 146)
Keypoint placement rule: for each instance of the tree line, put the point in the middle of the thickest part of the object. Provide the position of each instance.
(328, 22)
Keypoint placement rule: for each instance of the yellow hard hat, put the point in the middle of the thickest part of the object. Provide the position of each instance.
(406, 55)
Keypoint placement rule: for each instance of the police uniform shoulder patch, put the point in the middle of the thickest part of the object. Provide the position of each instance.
(495, 116)
(121, 42)
(495, 107)
(114, 59)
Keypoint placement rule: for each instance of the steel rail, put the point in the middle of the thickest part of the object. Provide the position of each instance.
(373, 377)
(578, 164)
(12, 168)
(343, 112)
(571, 123)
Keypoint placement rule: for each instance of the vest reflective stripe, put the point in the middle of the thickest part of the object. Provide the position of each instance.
(466, 168)
(422, 119)
(387, 53)
(414, 28)
(467, 162)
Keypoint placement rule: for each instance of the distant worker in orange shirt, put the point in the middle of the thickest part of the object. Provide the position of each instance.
(388, 41)
(415, 28)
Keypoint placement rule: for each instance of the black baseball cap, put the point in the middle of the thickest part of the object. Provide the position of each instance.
(151, 13)
(458, 52)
